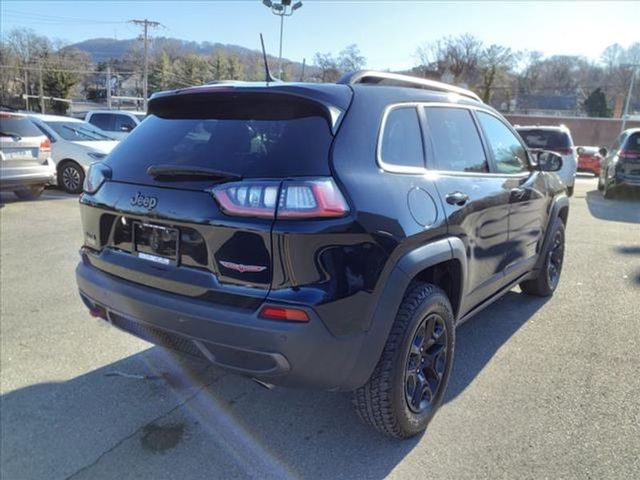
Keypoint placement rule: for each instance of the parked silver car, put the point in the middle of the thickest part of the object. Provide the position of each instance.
(26, 166)
(76, 145)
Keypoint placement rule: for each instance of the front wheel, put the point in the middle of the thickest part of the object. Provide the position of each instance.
(547, 279)
(29, 193)
(607, 191)
(70, 177)
(600, 183)
(408, 384)
(570, 191)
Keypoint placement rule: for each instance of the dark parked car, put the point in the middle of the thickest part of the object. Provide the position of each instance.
(330, 236)
(26, 166)
(621, 164)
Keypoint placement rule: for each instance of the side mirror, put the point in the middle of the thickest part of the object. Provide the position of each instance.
(603, 151)
(549, 161)
(580, 150)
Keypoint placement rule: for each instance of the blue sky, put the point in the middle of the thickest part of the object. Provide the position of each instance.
(387, 32)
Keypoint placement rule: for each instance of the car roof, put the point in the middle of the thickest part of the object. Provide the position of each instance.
(53, 118)
(562, 128)
(134, 112)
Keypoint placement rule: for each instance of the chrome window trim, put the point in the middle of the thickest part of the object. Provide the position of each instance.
(403, 169)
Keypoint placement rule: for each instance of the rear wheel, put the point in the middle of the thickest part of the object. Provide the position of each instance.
(547, 279)
(407, 386)
(70, 177)
(607, 191)
(570, 191)
(600, 183)
(29, 193)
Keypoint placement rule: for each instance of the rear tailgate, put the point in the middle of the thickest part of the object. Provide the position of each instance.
(20, 141)
(168, 231)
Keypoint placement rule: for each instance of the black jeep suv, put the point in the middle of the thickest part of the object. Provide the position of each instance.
(323, 235)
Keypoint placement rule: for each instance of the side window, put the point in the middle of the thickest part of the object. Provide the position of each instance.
(508, 153)
(456, 142)
(104, 121)
(402, 139)
(124, 123)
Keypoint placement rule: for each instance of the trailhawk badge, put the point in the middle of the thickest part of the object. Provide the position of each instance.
(238, 267)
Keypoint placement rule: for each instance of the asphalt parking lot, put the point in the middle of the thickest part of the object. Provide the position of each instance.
(540, 388)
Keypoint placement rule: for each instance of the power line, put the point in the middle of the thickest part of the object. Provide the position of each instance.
(55, 18)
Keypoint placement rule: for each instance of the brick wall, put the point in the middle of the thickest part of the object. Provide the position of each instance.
(585, 131)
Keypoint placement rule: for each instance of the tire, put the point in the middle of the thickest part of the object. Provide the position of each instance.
(384, 401)
(570, 191)
(70, 177)
(600, 183)
(547, 279)
(29, 193)
(607, 191)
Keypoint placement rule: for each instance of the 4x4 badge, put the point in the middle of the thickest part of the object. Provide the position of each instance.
(140, 200)
(238, 267)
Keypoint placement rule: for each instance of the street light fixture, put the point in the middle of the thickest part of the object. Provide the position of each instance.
(634, 73)
(282, 8)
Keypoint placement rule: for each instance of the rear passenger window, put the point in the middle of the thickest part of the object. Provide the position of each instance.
(455, 139)
(508, 153)
(402, 139)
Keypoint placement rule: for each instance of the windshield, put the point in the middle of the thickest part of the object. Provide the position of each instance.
(78, 131)
(140, 116)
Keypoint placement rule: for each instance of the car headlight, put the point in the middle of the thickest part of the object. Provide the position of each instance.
(97, 155)
(96, 176)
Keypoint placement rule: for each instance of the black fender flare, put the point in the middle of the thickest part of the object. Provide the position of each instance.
(405, 269)
(560, 202)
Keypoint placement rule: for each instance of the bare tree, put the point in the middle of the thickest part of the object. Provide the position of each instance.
(351, 59)
(328, 65)
(495, 62)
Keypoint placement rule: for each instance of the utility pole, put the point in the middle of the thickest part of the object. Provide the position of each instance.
(626, 105)
(109, 87)
(145, 80)
(282, 8)
(41, 93)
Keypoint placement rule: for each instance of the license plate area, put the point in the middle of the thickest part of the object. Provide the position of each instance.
(156, 243)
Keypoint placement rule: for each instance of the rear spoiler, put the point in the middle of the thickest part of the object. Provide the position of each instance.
(245, 99)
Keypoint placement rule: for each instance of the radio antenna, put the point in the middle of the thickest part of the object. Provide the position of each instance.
(267, 73)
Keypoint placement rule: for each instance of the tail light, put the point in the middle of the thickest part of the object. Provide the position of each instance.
(45, 146)
(286, 314)
(288, 199)
(629, 154)
(98, 173)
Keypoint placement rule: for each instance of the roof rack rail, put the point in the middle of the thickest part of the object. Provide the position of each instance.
(372, 77)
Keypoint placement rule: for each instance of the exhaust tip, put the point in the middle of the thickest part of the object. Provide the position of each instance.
(268, 386)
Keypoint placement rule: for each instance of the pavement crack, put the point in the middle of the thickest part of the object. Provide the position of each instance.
(139, 429)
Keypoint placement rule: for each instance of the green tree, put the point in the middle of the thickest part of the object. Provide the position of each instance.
(193, 69)
(235, 70)
(219, 65)
(161, 76)
(596, 104)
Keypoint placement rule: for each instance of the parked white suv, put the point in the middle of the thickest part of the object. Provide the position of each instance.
(556, 138)
(74, 146)
(117, 123)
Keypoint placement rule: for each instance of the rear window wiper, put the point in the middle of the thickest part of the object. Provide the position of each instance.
(181, 171)
(12, 135)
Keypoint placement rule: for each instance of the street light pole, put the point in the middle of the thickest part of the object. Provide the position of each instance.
(626, 104)
(282, 8)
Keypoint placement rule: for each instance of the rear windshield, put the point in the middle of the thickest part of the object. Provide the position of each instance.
(545, 139)
(18, 127)
(633, 143)
(245, 144)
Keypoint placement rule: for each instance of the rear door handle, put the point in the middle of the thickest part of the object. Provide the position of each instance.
(457, 198)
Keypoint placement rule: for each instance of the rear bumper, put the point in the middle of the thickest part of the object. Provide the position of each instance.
(283, 353)
(12, 178)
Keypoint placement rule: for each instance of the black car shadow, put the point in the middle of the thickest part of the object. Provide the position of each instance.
(116, 419)
(624, 208)
(50, 193)
(630, 250)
